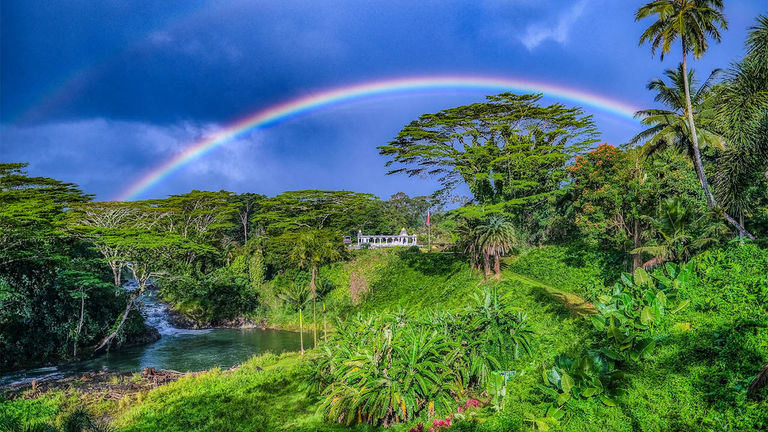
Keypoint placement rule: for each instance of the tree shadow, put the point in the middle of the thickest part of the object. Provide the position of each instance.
(432, 264)
(719, 360)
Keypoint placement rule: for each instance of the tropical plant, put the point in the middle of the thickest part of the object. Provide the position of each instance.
(495, 237)
(297, 296)
(487, 239)
(693, 22)
(387, 374)
(631, 315)
(742, 116)
(390, 368)
(312, 248)
(587, 376)
(670, 128)
(680, 233)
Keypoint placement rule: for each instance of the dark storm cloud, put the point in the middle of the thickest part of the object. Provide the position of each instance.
(215, 61)
(100, 91)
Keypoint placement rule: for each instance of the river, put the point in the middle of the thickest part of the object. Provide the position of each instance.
(177, 349)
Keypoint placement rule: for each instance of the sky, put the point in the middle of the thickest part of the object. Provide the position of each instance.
(101, 92)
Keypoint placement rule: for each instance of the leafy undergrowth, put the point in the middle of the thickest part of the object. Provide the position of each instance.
(695, 379)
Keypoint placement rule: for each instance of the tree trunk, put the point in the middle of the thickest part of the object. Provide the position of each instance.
(497, 266)
(697, 164)
(301, 333)
(112, 335)
(637, 259)
(487, 264)
(80, 323)
(313, 287)
(325, 328)
(244, 220)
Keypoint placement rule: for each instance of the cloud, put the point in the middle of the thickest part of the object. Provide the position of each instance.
(538, 33)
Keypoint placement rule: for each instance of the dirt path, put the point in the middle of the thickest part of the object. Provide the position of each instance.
(572, 302)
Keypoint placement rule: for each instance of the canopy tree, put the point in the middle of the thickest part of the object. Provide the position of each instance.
(97, 221)
(506, 149)
(319, 209)
(247, 205)
(146, 250)
(31, 210)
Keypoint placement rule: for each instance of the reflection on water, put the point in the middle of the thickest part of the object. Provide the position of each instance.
(178, 349)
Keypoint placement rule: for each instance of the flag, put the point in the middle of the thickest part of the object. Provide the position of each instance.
(427, 217)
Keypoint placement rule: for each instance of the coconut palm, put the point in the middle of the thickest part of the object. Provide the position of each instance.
(313, 248)
(669, 127)
(680, 233)
(495, 237)
(693, 22)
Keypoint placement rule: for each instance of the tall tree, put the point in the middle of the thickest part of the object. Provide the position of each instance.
(319, 209)
(693, 22)
(247, 205)
(508, 148)
(495, 237)
(742, 117)
(95, 220)
(313, 248)
(670, 128)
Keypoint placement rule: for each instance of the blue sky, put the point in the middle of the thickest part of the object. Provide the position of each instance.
(98, 92)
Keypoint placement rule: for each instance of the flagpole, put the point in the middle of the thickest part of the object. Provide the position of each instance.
(429, 234)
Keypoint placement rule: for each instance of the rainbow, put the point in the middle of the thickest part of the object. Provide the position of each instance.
(282, 112)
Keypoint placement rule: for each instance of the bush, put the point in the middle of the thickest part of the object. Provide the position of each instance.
(392, 368)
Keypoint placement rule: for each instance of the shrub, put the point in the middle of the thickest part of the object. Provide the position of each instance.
(391, 368)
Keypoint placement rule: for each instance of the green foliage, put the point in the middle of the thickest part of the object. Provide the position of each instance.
(680, 232)
(391, 368)
(590, 375)
(319, 209)
(613, 189)
(631, 316)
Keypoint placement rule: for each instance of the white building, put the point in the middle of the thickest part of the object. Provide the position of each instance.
(383, 241)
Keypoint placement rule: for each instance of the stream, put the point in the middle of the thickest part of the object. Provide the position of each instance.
(177, 349)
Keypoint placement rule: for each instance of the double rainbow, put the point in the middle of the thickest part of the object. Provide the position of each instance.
(304, 105)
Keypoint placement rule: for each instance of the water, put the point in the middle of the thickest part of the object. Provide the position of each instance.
(178, 349)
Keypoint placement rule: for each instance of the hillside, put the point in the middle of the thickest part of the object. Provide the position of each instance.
(695, 379)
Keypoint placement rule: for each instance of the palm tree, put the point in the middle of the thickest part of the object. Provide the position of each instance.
(693, 22)
(742, 116)
(669, 127)
(313, 248)
(679, 231)
(495, 237)
(297, 296)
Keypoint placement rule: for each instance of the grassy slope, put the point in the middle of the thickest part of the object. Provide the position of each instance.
(694, 380)
(264, 394)
(396, 282)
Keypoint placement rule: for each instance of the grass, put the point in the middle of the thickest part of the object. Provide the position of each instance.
(694, 381)
(264, 394)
